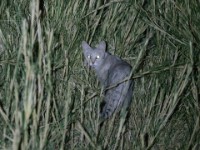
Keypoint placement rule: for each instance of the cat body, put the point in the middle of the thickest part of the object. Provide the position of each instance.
(110, 70)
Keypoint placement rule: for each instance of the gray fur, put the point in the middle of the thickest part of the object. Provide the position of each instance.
(110, 70)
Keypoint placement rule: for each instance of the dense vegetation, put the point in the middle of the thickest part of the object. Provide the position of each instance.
(49, 100)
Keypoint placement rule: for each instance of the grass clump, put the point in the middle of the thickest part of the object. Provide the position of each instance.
(49, 100)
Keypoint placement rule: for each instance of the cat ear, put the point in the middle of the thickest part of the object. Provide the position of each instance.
(85, 46)
(102, 46)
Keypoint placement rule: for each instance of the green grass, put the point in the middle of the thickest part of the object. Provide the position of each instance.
(49, 100)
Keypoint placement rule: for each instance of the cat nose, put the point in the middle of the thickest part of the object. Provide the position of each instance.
(93, 61)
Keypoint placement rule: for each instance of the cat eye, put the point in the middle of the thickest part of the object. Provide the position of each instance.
(98, 57)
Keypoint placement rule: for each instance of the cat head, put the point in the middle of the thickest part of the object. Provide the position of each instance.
(94, 57)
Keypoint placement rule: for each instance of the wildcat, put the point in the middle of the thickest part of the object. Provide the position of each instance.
(110, 70)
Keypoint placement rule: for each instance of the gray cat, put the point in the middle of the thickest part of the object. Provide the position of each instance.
(110, 70)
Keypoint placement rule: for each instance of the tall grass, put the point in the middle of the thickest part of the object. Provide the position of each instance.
(49, 100)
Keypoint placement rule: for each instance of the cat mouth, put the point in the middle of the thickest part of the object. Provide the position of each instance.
(92, 65)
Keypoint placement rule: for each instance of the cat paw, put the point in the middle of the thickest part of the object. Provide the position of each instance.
(104, 115)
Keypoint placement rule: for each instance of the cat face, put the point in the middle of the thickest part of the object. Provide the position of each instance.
(94, 56)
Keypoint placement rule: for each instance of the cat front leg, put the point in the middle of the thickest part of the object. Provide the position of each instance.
(110, 105)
